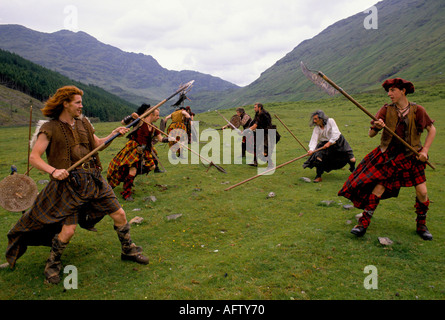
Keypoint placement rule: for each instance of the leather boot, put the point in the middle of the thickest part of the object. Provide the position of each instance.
(360, 229)
(53, 264)
(130, 251)
(421, 228)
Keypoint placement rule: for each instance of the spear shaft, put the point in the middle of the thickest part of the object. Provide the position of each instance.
(291, 133)
(135, 122)
(267, 171)
(406, 144)
(191, 150)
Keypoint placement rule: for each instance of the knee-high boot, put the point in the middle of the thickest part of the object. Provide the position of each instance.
(421, 210)
(364, 221)
(54, 264)
(130, 251)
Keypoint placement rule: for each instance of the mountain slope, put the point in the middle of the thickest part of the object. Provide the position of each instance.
(408, 43)
(39, 83)
(135, 77)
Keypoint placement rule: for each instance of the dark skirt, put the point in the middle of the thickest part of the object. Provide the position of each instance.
(333, 158)
(391, 169)
(84, 199)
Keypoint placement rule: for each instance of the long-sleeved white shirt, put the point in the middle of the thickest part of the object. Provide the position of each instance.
(330, 133)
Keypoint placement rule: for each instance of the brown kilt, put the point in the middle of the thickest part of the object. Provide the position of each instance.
(84, 198)
(130, 156)
(390, 169)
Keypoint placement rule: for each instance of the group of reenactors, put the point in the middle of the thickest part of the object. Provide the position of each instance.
(84, 197)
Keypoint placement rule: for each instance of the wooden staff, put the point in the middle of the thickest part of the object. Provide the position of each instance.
(135, 122)
(291, 133)
(29, 139)
(267, 171)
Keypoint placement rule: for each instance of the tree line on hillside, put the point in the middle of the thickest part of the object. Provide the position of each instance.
(20, 74)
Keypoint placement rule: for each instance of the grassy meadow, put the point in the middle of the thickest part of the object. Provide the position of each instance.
(241, 244)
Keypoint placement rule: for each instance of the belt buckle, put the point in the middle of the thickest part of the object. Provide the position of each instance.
(86, 166)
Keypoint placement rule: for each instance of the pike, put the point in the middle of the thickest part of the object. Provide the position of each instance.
(322, 81)
(29, 139)
(291, 133)
(183, 145)
(182, 88)
(231, 124)
(267, 171)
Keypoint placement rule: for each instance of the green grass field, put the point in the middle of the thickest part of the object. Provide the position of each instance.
(240, 244)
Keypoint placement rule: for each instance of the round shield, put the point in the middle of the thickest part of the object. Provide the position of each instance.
(236, 121)
(17, 192)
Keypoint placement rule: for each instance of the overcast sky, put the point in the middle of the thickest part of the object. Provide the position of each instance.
(235, 40)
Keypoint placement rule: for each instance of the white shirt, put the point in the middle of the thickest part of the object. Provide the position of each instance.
(329, 133)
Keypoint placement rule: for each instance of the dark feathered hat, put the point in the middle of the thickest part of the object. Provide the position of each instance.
(398, 83)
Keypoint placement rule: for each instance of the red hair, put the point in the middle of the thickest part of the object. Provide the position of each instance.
(54, 105)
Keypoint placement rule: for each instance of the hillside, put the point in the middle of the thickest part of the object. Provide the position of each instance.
(15, 107)
(408, 43)
(79, 56)
(38, 83)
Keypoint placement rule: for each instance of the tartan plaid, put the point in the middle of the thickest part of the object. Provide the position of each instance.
(391, 169)
(84, 198)
(128, 157)
(180, 135)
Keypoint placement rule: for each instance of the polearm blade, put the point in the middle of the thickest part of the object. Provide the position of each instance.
(230, 123)
(136, 121)
(323, 77)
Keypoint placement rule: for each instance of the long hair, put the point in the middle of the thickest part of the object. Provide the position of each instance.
(320, 115)
(54, 105)
(144, 107)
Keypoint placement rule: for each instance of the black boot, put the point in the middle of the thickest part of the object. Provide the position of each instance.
(53, 264)
(130, 251)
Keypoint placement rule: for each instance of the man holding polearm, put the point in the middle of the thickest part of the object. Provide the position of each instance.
(81, 196)
(393, 165)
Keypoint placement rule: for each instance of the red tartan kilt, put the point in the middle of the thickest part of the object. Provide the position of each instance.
(389, 169)
(128, 157)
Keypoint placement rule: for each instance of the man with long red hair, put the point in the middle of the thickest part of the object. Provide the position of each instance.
(81, 196)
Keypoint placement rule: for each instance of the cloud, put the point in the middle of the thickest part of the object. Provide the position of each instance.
(234, 40)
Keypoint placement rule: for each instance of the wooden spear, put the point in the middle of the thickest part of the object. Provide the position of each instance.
(136, 121)
(291, 133)
(322, 77)
(267, 171)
